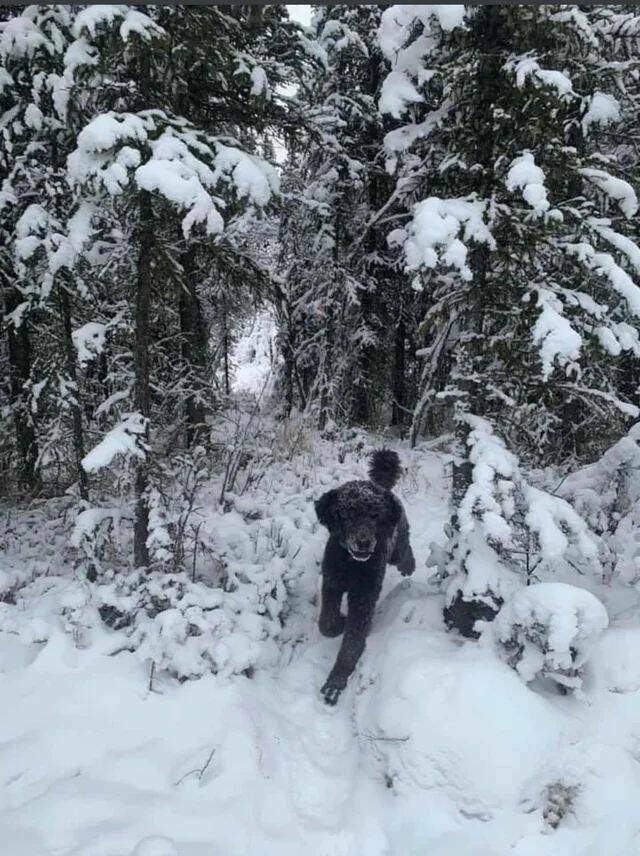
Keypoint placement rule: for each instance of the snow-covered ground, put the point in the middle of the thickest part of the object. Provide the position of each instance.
(253, 355)
(436, 747)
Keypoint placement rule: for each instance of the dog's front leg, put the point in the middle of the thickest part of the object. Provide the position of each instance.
(355, 635)
(331, 622)
(403, 557)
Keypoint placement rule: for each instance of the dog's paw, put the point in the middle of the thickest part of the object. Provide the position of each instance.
(407, 567)
(332, 689)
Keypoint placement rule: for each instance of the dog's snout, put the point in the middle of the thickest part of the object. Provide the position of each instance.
(363, 544)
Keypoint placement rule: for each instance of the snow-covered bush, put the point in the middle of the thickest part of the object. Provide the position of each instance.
(187, 628)
(173, 485)
(218, 592)
(223, 614)
(607, 495)
(95, 533)
(559, 800)
(548, 630)
(174, 503)
(508, 533)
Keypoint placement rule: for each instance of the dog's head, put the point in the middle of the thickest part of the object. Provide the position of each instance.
(359, 514)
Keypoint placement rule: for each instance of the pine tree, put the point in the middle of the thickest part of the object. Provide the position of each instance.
(189, 191)
(136, 170)
(339, 308)
(521, 242)
(519, 235)
(39, 253)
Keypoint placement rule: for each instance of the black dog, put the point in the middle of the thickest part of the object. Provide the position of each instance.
(368, 530)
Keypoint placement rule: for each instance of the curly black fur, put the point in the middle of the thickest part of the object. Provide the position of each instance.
(368, 530)
(385, 468)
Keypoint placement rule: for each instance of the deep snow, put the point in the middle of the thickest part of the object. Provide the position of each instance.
(436, 746)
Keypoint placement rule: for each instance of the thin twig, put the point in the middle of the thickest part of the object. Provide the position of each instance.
(200, 771)
(387, 739)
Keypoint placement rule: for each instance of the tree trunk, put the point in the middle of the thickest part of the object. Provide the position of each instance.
(327, 401)
(488, 25)
(142, 388)
(226, 345)
(372, 386)
(194, 347)
(399, 373)
(362, 396)
(289, 367)
(72, 375)
(254, 17)
(19, 353)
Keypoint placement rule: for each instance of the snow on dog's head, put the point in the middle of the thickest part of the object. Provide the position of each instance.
(356, 514)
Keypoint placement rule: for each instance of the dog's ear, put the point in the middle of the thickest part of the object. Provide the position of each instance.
(327, 509)
(393, 512)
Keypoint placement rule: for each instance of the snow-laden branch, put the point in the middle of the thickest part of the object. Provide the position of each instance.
(603, 110)
(440, 230)
(527, 69)
(409, 60)
(21, 37)
(556, 525)
(89, 340)
(617, 189)
(607, 495)
(625, 245)
(91, 19)
(605, 265)
(42, 238)
(397, 93)
(126, 438)
(556, 339)
(397, 24)
(526, 176)
(167, 156)
(490, 501)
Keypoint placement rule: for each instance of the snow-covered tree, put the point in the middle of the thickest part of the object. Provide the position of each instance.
(520, 236)
(520, 227)
(44, 232)
(508, 533)
(131, 180)
(341, 307)
(153, 171)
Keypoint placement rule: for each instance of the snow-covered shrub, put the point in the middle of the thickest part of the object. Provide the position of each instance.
(607, 495)
(218, 593)
(172, 498)
(508, 531)
(559, 800)
(95, 533)
(174, 503)
(187, 628)
(478, 588)
(548, 630)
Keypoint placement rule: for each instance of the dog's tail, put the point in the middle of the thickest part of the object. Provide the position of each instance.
(385, 468)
